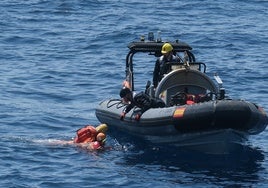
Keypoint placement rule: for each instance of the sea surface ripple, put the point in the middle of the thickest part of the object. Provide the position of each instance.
(59, 59)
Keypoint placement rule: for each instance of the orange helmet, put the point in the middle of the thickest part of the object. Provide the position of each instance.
(101, 137)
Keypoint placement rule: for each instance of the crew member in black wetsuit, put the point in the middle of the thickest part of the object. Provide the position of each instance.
(141, 100)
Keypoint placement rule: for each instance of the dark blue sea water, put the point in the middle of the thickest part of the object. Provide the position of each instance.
(60, 58)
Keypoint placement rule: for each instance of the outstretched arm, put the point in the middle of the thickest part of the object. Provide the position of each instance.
(126, 110)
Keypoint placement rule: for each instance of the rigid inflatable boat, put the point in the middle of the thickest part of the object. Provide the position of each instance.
(198, 114)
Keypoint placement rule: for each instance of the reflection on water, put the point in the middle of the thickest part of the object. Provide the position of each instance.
(237, 168)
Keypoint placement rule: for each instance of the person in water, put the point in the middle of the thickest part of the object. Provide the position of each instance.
(141, 100)
(88, 137)
(161, 65)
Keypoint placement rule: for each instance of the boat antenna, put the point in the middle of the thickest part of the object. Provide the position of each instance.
(186, 60)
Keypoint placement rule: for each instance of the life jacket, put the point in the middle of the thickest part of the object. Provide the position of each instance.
(86, 134)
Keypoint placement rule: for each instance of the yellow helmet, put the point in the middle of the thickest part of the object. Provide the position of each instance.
(167, 47)
(102, 128)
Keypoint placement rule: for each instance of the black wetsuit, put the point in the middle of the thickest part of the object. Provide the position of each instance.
(144, 102)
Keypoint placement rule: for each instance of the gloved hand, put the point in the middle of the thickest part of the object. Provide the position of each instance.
(123, 114)
(137, 116)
